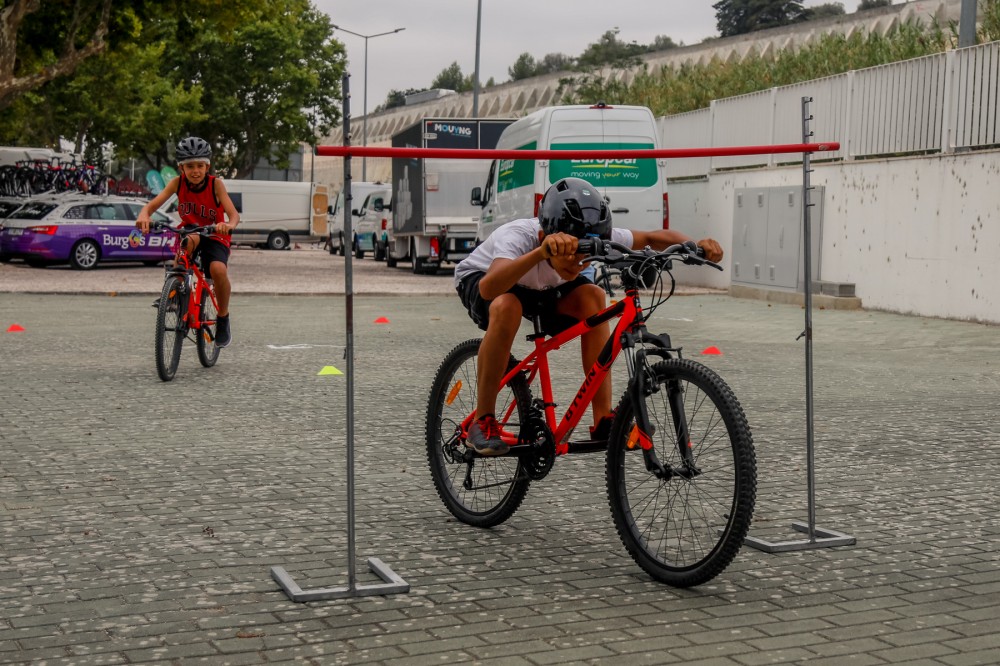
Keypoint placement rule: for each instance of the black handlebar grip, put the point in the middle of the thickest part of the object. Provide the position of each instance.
(587, 246)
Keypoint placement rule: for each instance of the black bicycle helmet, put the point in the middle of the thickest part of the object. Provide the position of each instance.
(575, 207)
(193, 148)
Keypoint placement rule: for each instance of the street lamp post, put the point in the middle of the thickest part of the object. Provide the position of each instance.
(364, 122)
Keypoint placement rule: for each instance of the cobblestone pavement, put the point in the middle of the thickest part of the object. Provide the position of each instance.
(139, 519)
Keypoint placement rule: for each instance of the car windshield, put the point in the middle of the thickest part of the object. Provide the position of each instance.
(34, 210)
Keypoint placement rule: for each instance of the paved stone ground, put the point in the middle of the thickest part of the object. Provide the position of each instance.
(139, 520)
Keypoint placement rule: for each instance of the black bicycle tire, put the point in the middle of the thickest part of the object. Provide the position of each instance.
(735, 518)
(208, 351)
(167, 361)
(451, 493)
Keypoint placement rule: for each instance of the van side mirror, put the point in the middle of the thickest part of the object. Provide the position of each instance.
(477, 196)
(355, 212)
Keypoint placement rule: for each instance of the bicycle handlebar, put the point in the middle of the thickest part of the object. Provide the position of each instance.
(616, 254)
(182, 231)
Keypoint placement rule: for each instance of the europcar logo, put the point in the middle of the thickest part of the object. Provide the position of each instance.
(625, 165)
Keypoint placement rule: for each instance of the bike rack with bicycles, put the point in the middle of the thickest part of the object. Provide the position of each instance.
(393, 584)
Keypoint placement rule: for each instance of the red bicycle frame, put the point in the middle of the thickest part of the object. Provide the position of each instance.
(183, 267)
(537, 364)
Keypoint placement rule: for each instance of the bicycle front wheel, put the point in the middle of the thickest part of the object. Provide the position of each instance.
(479, 491)
(170, 328)
(685, 525)
(208, 352)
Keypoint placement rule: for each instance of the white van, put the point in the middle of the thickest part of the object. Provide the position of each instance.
(371, 224)
(636, 189)
(335, 227)
(277, 213)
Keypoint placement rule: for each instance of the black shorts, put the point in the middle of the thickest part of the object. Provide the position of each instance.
(533, 302)
(211, 250)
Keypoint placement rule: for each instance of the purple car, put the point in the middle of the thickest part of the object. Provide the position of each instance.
(82, 230)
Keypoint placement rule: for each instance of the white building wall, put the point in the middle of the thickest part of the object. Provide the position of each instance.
(917, 235)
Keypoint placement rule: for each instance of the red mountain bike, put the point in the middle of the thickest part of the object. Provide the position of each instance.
(681, 470)
(187, 305)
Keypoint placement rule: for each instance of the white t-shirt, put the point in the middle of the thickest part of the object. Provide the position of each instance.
(516, 239)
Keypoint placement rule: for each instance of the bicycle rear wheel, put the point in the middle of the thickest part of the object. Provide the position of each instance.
(683, 528)
(170, 328)
(479, 491)
(208, 352)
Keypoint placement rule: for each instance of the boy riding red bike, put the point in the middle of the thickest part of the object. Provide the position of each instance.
(531, 267)
(202, 201)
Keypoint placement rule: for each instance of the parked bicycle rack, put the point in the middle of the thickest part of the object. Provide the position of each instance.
(393, 583)
(817, 538)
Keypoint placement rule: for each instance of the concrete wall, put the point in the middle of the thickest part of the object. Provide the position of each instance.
(917, 235)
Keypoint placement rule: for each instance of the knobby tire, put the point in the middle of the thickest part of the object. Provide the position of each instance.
(499, 483)
(686, 530)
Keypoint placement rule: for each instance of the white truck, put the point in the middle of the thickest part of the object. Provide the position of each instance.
(636, 189)
(433, 220)
(278, 213)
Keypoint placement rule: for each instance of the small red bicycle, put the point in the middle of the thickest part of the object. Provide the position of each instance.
(187, 305)
(681, 469)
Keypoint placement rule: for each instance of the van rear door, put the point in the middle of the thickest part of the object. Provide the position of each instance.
(634, 187)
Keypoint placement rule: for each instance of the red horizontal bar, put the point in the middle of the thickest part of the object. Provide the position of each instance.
(467, 154)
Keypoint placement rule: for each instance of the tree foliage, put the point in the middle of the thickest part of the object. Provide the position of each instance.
(451, 78)
(872, 4)
(254, 77)
(824, 11)
(738, 17)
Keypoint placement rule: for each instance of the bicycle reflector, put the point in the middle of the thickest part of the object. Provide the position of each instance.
(453, 393)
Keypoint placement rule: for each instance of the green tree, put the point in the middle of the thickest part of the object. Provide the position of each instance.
(555, 62)
(872, 4)
(662, 43)
(610, 50)
(39, 44)
(272, 84)
(824, 11)
(524, 67)
(451, 78)
(738, 17)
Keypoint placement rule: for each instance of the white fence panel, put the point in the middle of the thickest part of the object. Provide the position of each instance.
(829, 110)
(974, 110)
(897, 108)
(746, 120)
(687, 130)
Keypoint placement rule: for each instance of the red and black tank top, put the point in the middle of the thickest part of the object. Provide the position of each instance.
(201, 208)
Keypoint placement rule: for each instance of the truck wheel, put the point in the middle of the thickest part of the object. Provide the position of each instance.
(329, 244)
(380, 251)
(390, 260)
(341, 250)
(358, 252)
(278, 240)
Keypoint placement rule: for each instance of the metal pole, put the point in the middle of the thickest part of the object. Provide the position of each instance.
(364, 121)
(349, 351)
(807, 268)
(967, 24)
(392, 583)
(816, 537)
(475, 78)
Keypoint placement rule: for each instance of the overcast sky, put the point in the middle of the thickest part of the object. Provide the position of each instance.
(440, 32)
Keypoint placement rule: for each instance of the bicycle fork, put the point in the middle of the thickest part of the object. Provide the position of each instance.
(642, 383)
